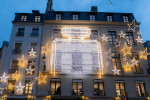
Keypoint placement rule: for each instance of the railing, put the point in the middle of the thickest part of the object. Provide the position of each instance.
(11, 71)
(20, 34)
(77, 92)
(16, 51)
(99, 93)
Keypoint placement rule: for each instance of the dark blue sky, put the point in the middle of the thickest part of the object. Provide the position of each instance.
(8, 8)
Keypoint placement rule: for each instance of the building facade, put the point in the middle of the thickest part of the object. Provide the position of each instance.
(66, 55)
(147, 46)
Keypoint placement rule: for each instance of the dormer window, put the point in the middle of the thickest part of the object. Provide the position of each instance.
(109, 18)
(23, 18)
(92, 17)
(37, 18)
(125, 19)
(58, 16)
(75, 17)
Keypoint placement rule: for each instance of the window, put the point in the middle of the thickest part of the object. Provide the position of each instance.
(98, 88)
(34, 46)
(116, 61)
(112, 37)
(14, 67)
(77, 86)
(58, 16)
(94, 35)
(136, 68)
(129, 37)
(28, 86)
(37, 18)
(125, 19)
(35, 32)
(23, 18)
(20, 32)
(120, 88)
(57, 33)
(109, 18)
(140, 86)
(32, 65)
(75, 17)
(11, 87)
(18, 47)
(92, 17)
(55, 87)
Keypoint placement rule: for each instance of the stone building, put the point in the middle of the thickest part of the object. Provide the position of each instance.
(72, 55)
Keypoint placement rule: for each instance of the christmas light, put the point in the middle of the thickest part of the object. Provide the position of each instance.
(129, 42)
(139, 33)
(132, 26)
(125, 59)
(104, 38)
(139, 40)
(10, 86)
(4, 78)
(116, 71)
(134, 61)
(30, 70)
(127, 67)
(30, 97)
(122, 35)
(32, 53)
(1, 90)
(47, 98)
(22, 62)
(20, 88)
(45, 49)
(108, 54)
(143, 54)
(126, 50)
(3, 97)
(117, 44)
(41, 78)
(15, 75)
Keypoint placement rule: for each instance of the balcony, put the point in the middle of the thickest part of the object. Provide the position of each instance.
(13, 70)
(99, 92)
(19, 34)
(16, 51)
(77, 92)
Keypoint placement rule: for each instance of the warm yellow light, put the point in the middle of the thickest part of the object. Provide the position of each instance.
(117, 98)
(15, 75)
(143, 54)
(4, 78)
(127, 67)
(45, 49)
(126, 50)
(3, 97)
(47, 98)
(41, 78)
(10, 86)
(22, 62)
(20, 88)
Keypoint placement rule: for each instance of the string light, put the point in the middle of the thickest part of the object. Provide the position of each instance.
(22, 62)
(126, 50)
(32, 53)
(30, 70)
(15, 75)
(143, 54)
(1, 90)
(139, 40)
(127, 67)
(125, 59)
(122, 35)
(3, 97)
(20, 88)
(10, 87)
(109, 54)
(139, 33)
(132, 26)
(45, 49)
(134, 61)
(48, 98)
(117, 44)
(104, 38)
(116, 71)
(129, 42)
(4, 78)
(41, 78)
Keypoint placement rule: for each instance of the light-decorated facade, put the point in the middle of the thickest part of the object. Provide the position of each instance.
(64, 55)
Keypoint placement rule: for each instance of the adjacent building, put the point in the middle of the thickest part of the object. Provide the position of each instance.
(72, 55)
(147, 45)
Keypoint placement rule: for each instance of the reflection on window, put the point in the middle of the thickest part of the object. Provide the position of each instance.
(77, 86)
(92, 17)
(129, 37)
(94, 35)
(55, 87)
(58, 16)
(116, 61)
(120, 88)
(125, 19)
(140, 86)
(136, 68)
(11, 87)
(98, 88)
(28, 87)
(112, 37)
(37, 18)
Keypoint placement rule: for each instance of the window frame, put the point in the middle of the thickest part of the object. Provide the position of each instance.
(97, 81)
(125, 18)
(28, 87)
(112, 36)
(120, 91)
(92, 17)
(79, 92)
(118, 65)
(55, 80)
(58, 16)
(141, 82)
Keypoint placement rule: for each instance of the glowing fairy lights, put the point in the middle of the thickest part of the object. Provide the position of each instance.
(126, 50)
(20, 88)
(1, 90)
(4, 78)
(134, 61)
(122, 35)
(15, 75)
(22, 62)
(132, 26)
(32, 53)
(10, 86)
(117, 44)
(3, 97)
(143, 54)
(127, 67)
(116, 71)
(30, 70)
(45, 49)
(104, 38)
(41, 78)
(139, 40)
(108, 54)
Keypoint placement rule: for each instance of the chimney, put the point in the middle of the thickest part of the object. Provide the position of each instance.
(94, 9)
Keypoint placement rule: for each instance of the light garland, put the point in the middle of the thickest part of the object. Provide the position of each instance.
(3, 97)
(122, 35)
(125, 59)
(143, 54)
(132, 26)
(108, 54)
(1, 90)
(134, 61)
(41, 78)
(20, 88)
(127, 67)
(30, 70)
(47, 98)
(32, 53)
(4, 78)
(15, 75)
(139, 40)
(116, 71)
(104, 38)
(22, 62)
(10, 86)
(129, 42)
(139, 33)
(117, 44)
(126, 50)
(45, 49)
